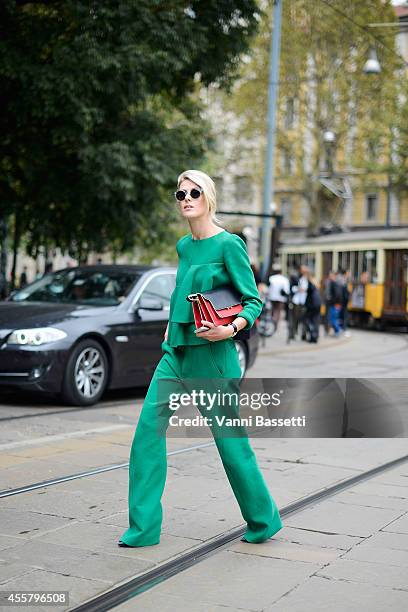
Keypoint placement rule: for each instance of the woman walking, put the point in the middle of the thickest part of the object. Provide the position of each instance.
(209, 257)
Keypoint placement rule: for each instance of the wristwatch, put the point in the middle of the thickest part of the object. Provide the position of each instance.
(235, 329)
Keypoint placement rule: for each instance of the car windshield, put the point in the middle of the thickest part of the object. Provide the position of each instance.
(79, 286)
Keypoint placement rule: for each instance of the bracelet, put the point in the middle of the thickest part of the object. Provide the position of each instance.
(235, 329)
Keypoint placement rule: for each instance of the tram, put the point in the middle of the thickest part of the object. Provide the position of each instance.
(378, 265)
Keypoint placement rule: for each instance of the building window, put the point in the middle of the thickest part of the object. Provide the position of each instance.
(286, 210)
(374, 149)
(287, 163)
(371, 206)
(244, 190)
(290, 113)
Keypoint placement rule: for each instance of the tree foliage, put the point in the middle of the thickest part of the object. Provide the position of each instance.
(102, 112)
(324, 47)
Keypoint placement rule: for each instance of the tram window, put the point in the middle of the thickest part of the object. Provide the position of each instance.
(359, 262)
(360, 265)
(345, 260)
(294, 260)
(370, 265)
(405, 264)
(286, 210)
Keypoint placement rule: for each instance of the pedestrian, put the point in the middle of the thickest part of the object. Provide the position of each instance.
(23, 278)
(334, 298)
(278, 290)
(209, 257)
(343, 317)
(312, 304)
(262, 287)
(299, 299)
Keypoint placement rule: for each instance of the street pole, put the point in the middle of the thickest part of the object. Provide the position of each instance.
(388, 204)
(275, 236)
(269, 162)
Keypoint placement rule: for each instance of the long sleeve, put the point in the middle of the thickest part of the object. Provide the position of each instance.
(238, 266)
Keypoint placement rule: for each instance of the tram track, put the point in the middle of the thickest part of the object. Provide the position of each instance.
(106, 468)
(93, 472)
(144, 581)
(165, 570)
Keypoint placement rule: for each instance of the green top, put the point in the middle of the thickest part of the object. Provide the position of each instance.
(207, 264)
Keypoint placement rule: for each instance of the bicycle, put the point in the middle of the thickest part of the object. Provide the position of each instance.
(267, 324)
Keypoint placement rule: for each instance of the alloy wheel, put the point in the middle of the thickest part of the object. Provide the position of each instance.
(89, 372)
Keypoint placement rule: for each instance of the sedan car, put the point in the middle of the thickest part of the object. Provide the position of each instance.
(80, 331)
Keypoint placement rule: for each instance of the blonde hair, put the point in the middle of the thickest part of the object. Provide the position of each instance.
(208, 186)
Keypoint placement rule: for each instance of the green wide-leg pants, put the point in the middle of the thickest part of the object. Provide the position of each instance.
(148, 460)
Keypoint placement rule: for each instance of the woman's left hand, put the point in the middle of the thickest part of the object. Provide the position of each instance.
(215, 332)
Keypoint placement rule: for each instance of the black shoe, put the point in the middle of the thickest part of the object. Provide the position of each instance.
(120, 543)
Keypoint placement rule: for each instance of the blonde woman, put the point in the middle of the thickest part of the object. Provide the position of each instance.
(209, 256)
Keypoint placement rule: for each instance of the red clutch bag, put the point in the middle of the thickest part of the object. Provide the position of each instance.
(220, 305)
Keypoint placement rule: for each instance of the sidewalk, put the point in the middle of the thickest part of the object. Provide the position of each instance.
(352, 547)
(346, 553)
(64, 537)
(363, 354)
(278, 342)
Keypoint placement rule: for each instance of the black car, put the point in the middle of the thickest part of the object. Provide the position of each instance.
(82, 330)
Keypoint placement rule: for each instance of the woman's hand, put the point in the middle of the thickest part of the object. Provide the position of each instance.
(166, 333)
(215, 332)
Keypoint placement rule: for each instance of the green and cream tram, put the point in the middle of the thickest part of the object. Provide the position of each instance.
(378, 265)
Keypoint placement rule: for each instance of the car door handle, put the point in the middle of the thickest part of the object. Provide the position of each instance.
(122, 338)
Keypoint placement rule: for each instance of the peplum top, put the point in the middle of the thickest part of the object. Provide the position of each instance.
(206, 264)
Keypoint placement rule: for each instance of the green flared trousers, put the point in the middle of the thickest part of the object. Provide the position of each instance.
(148, 459)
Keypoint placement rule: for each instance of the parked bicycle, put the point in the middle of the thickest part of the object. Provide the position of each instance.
(267, 325)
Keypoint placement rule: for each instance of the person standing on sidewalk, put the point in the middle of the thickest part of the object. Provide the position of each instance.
(209, 257)
(313, 304)
(334, 300)
(278, 290)
(344, 281)
(299, 299)
(258, 280)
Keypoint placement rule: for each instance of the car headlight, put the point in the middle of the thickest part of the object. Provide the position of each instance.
(36, 336)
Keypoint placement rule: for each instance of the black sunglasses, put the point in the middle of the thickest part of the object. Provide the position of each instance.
(181, 194)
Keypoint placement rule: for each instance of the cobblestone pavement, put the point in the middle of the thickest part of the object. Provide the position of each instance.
(344, 553)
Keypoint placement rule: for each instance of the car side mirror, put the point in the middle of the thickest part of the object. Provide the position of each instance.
(149, 304)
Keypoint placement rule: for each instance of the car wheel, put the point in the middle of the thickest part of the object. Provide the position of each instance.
(242, 356)
(86, 374)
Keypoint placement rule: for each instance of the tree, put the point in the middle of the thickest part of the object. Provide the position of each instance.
(102, 112)
(322, 85)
